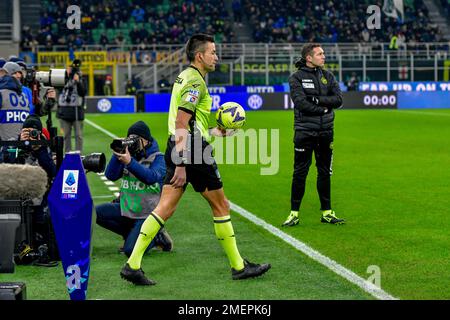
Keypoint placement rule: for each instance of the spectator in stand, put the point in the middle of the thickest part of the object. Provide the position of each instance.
(104, 39)
(236, 5)
(113, 14)
(120, 40)
(138, 14)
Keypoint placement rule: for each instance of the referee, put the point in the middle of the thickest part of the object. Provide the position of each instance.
(315, 93)
(189, 160)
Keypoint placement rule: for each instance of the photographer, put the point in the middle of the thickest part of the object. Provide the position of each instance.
(70, 107)
(41, 249)
(37, 105)
(142, 168)
(36, 154)
(14, 104)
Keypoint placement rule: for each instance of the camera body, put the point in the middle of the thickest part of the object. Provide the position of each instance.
(132, 142)
(34, 133)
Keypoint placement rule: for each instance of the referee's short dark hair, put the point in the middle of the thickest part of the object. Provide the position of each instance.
(197, 44)
(308, 49)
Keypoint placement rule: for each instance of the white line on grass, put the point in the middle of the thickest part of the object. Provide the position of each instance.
(96, 126)
(102, 197)
(304, 248)
(315, 255)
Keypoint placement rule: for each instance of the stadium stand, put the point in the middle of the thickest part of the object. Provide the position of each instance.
(124, 22)
(129, 22)
(446, 6)
(334, 21)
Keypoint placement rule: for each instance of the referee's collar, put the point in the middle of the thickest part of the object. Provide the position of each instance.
(194, 67)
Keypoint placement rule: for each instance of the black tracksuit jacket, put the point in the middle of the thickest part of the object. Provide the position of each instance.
(306, 83)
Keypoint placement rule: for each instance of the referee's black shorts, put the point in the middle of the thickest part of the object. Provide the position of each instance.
(202, 176)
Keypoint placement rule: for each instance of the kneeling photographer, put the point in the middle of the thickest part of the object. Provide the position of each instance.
(140, 164)
(41, 155)
(35, 242)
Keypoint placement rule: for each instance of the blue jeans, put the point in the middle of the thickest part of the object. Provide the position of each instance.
(110, 217)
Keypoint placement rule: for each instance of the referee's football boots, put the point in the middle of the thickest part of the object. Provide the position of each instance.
(330, 217)
(250, 270)
(136, 277)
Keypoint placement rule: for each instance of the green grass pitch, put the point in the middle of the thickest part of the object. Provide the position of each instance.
(390, 182)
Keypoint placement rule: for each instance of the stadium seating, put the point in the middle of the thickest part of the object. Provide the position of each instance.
(333, 21)
(106, 22)
(162, 21)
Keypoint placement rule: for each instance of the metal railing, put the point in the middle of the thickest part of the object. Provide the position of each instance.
(167, 67)
(268, 64)
(6, 30)
(234, 50)
(264, 71)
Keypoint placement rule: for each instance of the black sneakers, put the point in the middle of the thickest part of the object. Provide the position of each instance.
(291, 220)
(331, 218)
(250, 270)
(137, 277)
(163, 240)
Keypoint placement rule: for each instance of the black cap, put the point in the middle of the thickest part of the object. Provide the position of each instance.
(140, 129)
(33, 121)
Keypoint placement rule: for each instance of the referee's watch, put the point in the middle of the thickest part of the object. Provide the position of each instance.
(183, 158)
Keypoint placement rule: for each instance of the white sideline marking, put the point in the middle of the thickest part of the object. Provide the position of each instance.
(102, 197)
(109, 183)
(113, 189)
(304, 248)
(96, 126)
(315, 255)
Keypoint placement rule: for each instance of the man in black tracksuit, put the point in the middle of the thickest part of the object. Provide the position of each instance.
(315, 93)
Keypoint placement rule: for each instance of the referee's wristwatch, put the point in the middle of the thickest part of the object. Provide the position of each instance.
(184, 159)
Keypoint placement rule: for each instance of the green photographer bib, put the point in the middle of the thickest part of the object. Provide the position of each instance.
(137, 200)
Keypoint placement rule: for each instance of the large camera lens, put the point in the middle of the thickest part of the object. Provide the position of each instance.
(118, 146)
(94, 162)
(34, 133)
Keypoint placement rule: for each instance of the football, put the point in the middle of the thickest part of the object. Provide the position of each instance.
(230, 115)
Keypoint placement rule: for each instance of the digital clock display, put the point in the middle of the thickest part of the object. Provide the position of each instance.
(376, 100)
(370, 100)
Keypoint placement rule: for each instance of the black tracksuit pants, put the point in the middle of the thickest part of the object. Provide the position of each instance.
(321, 144)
